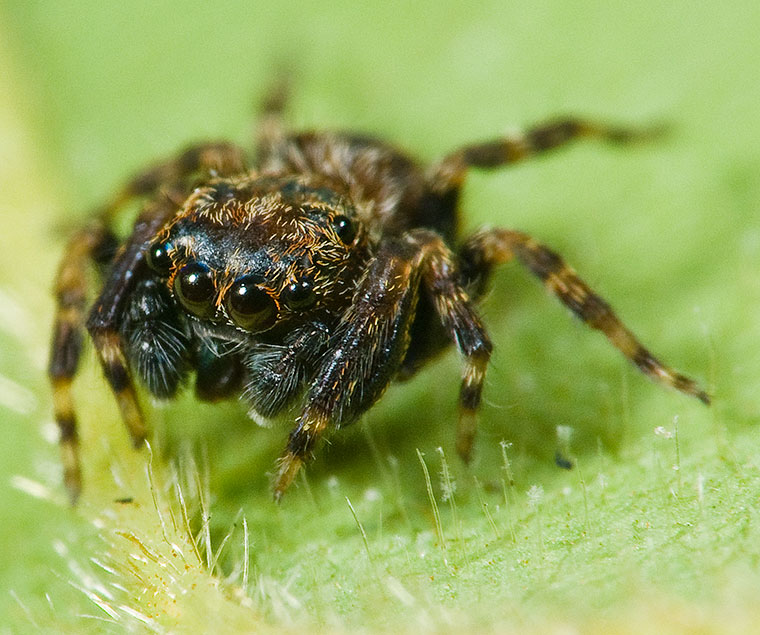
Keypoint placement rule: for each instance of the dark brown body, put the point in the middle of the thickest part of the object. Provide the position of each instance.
(306, 283)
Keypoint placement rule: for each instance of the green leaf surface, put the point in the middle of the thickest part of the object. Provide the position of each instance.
(655, 528)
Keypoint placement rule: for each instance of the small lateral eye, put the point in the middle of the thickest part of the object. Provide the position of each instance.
(194, 286)
(345, 228)
(249, 306)
(299, 295)
(158, 258)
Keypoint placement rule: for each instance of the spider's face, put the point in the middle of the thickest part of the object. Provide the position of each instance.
(257, 252)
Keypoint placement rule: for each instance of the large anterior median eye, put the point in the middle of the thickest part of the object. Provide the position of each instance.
(194, 287)
(249, 306)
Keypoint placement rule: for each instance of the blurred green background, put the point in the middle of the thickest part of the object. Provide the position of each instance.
(669, 233)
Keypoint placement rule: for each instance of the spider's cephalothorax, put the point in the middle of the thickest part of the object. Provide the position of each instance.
(308, 281)
(247, 265)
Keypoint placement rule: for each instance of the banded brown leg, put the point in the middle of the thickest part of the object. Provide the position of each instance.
(71, 295)
(449, 173)
(96, 244)
(373, 339)
(496, 246)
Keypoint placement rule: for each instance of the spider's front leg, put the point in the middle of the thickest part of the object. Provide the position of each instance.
(216, 158)
(71, 296)
(373, 337)
(104, 320)
(71, 292)
(491, 247)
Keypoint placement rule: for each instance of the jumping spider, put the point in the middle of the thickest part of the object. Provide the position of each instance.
(310, 280)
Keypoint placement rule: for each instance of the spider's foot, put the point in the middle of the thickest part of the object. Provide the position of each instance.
(650, 365)
(73, 484)
(690, 387)
(72, 474)
(466, 430)
(288, 468)
(130, 411)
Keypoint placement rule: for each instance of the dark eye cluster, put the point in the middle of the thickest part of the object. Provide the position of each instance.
(248, 303)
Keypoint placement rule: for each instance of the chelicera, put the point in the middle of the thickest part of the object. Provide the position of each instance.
(304, 280)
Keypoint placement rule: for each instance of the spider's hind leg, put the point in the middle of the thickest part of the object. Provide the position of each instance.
(449, 173)
(496, 246)
(217, 158)
(270, 131)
